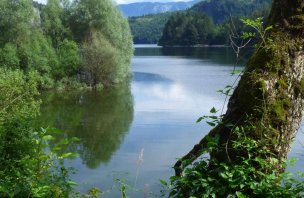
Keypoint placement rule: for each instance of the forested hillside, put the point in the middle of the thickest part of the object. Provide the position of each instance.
(187, 28)
(216, 26)
(148, 28)
(221, 10)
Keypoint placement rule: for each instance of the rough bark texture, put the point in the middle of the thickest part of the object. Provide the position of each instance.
(270, 94)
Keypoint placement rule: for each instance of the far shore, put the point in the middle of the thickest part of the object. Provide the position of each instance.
(176, 46)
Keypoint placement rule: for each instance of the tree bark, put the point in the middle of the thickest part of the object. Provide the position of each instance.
(270, 93)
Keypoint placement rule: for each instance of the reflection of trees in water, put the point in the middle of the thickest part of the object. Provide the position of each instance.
(215, 54)
(99, 119)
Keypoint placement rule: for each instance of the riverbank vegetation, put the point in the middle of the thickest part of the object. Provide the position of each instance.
(53, 41)
(45, 47)
(26, 170)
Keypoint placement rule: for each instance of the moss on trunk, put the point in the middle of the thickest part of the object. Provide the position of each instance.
(270, 94)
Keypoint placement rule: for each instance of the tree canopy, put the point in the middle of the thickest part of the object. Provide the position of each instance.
(187, 28)
(211, 22)
(148, 28)
(51, 38)
(222, 10)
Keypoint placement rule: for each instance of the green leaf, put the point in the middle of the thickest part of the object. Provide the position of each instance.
(163, 182)
(64, 142)
(72, 183)
(240, 195)
(223, 175)
(213, 110)
(47, 137)
(268, 28)
(199, 119)
(56, 148)
(211, 124)
(66, 155)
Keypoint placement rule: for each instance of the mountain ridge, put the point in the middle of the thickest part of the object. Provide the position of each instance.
(145, 8)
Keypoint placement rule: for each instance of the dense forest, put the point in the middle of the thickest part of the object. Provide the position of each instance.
(157, 28)
(221, 17)
(221, 10)
(187, 28)
(60, 45)
(61, 41)
(148, 28)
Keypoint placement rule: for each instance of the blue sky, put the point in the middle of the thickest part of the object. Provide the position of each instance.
(132, 1)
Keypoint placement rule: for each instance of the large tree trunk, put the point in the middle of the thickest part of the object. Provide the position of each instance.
(270, 94)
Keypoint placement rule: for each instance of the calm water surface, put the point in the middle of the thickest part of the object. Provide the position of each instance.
(137, 131)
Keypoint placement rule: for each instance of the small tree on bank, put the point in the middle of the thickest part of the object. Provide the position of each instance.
(99, 61)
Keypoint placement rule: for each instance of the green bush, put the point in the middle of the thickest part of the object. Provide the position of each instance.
(99, 59)
(101, 18)
(69, 59)
(9, 57)
(36, 53)
(26, 170)
(253, 174)
(70, 84)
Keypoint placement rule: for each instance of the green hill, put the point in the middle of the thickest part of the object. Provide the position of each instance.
(148, 29)
(183, 29)
(221, 10)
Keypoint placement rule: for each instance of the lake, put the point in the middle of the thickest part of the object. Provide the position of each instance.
(136, 131)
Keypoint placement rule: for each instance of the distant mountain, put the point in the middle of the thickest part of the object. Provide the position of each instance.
(144, 8)
(221, 10)
(150, 28)
(189, 28)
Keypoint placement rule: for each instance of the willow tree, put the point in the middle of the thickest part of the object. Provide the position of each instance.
(268, 101)
(99, 22)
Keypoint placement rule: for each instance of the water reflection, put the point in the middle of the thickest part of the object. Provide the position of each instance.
(149, 77)
(220, 55)
(171, 90)
(100, 119)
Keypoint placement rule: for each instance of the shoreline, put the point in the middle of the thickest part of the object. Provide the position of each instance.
(179, 46)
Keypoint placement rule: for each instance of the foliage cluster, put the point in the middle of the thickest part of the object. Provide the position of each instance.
(52, 39)
(187, 28)
(42, 47)
(221, 10)
(253, 175)
(220, 19)
(149, 28)
(26, 170)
